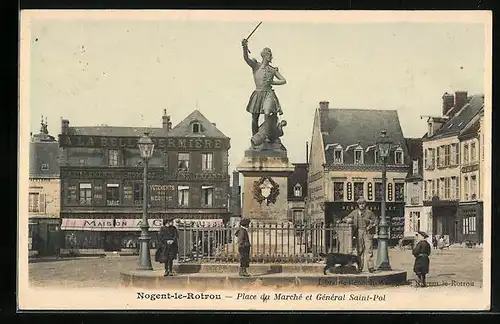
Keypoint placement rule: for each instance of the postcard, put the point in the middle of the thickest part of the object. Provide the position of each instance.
(255, 160)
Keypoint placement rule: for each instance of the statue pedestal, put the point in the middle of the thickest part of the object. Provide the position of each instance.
(265, 173)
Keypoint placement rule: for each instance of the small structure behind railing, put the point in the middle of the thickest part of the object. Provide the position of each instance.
(272, 242)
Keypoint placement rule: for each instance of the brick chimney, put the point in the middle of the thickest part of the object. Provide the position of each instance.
(166, 124)
(448, 102)
(64, 126)
(323, 105)
(460, 99)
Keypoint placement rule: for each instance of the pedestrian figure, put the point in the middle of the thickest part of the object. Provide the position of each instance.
(421, 253)
(364, 225)
(244, 247)
(441, 243)
(168, 247)
(434, 242)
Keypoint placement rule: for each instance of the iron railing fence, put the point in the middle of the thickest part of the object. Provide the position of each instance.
(274, 242)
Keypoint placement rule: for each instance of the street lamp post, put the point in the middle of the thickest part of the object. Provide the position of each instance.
(146, 147)
(384, 148)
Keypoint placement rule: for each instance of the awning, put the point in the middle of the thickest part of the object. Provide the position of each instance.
(130, 224)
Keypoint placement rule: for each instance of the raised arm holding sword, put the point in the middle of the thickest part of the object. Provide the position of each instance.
(263, 99)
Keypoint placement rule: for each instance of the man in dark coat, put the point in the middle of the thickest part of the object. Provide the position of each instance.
(244, 247)
(169, 245)
(364, 226)
(421, 252)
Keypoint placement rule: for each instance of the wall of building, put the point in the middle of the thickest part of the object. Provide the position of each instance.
(433, 172)
(316, 173)
(470, 175)
(394, 180)
(48, 193)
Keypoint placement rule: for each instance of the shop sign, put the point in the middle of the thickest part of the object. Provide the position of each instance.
(129, 224)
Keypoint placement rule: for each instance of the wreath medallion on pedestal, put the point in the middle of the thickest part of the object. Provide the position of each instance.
(266, 189)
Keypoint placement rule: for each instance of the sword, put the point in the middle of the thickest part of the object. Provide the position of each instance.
(253, 31)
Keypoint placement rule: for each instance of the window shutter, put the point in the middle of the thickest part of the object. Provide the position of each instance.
(42, 202)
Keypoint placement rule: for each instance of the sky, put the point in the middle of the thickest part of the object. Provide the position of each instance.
(124, 72)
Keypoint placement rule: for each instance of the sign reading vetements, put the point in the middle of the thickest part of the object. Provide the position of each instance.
(179, 143)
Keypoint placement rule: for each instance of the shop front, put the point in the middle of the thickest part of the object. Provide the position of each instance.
(44, 238)
(470, 223)
(120, 234)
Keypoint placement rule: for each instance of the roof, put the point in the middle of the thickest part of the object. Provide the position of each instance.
(299, 175)
(351, 126)
(184, 129)
(44, 159)
(472, 128)
(115, 131)
(416, 153)
(460, 120)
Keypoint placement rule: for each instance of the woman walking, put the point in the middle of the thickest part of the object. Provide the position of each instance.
(169, 247)
(421, 251)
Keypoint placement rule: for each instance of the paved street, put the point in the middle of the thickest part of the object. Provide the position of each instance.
(458, 264)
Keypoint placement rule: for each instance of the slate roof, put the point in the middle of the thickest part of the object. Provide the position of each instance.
(115, 131)
(44, 152)
(416, 152)
(459, 121)
(363, 126)
(183, 129)
(472, 128)
(299, 175)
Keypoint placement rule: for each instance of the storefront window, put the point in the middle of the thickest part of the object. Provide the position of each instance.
(379, 191)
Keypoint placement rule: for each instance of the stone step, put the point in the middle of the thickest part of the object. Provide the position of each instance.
(188, 268)
(155, 279)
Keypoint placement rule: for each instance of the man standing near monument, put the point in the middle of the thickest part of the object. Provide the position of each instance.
(244, 247)
(263, 100)
(364, 226)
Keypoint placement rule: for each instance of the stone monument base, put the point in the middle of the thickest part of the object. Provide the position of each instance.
(265, 173)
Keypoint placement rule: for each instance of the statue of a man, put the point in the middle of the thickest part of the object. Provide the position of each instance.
(263, 100)
(364, 223)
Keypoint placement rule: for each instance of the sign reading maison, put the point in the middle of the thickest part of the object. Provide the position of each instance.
(178, 143)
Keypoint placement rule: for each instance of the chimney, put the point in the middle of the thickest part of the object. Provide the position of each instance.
(64, 126)
(323, 105)
(166, 124)
(460, 100)
(214, 124)
(448, 102)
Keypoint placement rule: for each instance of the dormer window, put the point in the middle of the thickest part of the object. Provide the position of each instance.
(398, 156)
(45, 167)
(338, 155)
(358, 156)
(196, 127)
(297, 190)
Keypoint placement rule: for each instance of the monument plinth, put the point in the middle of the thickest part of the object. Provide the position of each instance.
(265, 183)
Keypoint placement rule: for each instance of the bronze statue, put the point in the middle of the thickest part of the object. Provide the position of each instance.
(263, 99)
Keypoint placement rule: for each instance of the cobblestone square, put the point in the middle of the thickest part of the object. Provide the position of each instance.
(458, 265)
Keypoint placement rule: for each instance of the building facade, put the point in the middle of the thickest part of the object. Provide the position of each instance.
(470, 207)
(417, 216)
(344, 165)
(442, 160)
(297, 193)
(102, 180)
(44, 194)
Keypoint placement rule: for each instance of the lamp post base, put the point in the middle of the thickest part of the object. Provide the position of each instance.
(144, 251)
(383, 255)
